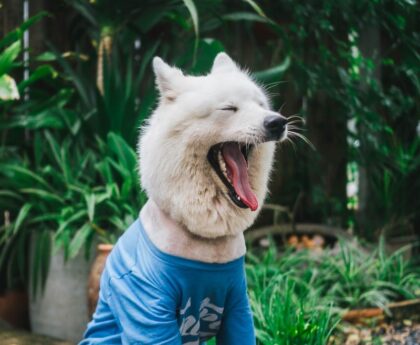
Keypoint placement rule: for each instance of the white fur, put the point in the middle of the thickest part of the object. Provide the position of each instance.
(174, 144)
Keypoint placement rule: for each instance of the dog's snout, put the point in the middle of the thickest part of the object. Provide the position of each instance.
(275, 126)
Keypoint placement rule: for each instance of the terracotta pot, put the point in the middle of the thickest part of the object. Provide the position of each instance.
(14, 308)
(98, 265)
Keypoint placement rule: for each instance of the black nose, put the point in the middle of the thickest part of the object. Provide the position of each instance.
(275, 126)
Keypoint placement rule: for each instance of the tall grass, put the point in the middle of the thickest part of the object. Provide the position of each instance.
(285, 317)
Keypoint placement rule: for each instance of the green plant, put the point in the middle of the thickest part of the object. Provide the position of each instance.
(13, 140)
(118, 108)
(398, 274)
(12, 90)
(394, 184)
(73, 177)
(106, 19)
(352, 71)
(112, 93)
(288, 308)
(298, 296)
(349, 280)
(68, 196)
(135, 32)
(357, 279)
(282, 316)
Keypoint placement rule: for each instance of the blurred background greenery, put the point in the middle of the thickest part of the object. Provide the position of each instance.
(76, 85)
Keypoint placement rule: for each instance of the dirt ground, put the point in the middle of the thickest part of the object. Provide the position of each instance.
(401, 333)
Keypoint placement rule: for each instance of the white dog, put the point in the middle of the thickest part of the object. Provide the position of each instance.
(176, 276)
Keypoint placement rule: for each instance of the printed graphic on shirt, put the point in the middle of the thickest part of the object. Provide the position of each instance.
(195, 330)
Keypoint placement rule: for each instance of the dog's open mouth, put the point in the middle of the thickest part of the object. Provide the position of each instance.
(230, 161)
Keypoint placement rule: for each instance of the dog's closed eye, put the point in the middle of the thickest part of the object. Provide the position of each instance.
(230, 108)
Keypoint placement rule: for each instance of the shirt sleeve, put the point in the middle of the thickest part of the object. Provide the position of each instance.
(145, 315)
(237, 323)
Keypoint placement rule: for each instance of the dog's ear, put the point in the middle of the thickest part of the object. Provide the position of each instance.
(166, 78)
(223, 63)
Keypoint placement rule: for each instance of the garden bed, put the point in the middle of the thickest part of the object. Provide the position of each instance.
(301, 297)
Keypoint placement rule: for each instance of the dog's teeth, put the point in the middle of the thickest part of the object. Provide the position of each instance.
(222, 164)
(238, 197)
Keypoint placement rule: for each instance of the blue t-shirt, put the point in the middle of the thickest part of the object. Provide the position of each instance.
(150, 297)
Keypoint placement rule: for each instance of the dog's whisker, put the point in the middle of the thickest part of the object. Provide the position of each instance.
(295, 128)
(291, 143)
(294, 121)
(295, 115)
(303, 138)
(271, 94)
(271, 85)
(282, 106)
(293, 124)
(296, 118)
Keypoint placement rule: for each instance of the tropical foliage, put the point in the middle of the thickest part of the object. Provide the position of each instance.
(68, 169)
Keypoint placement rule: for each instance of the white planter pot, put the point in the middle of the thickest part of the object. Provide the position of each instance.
(61, 309)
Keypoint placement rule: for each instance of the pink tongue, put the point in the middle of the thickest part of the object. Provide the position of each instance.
(238, 170)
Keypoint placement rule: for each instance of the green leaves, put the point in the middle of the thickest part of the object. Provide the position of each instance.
(17, 34)
(79, 240)
(126, 155)
(41, 255)
(39, 73)
(90, 203)
(273, 74)
(194, 15)
(245, 16)
(256, 7)
(297, 297)
(21, 217)
(8, 88)
(284, 314)
(75, 192)
(8, 56)
(12, 41)
(21, 176)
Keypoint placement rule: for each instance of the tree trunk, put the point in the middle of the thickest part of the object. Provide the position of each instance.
(11, 15)
(327, 130)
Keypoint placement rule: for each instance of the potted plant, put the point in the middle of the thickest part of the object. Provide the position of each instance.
(76, 196)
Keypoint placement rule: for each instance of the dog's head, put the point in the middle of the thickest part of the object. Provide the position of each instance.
(206, 151)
